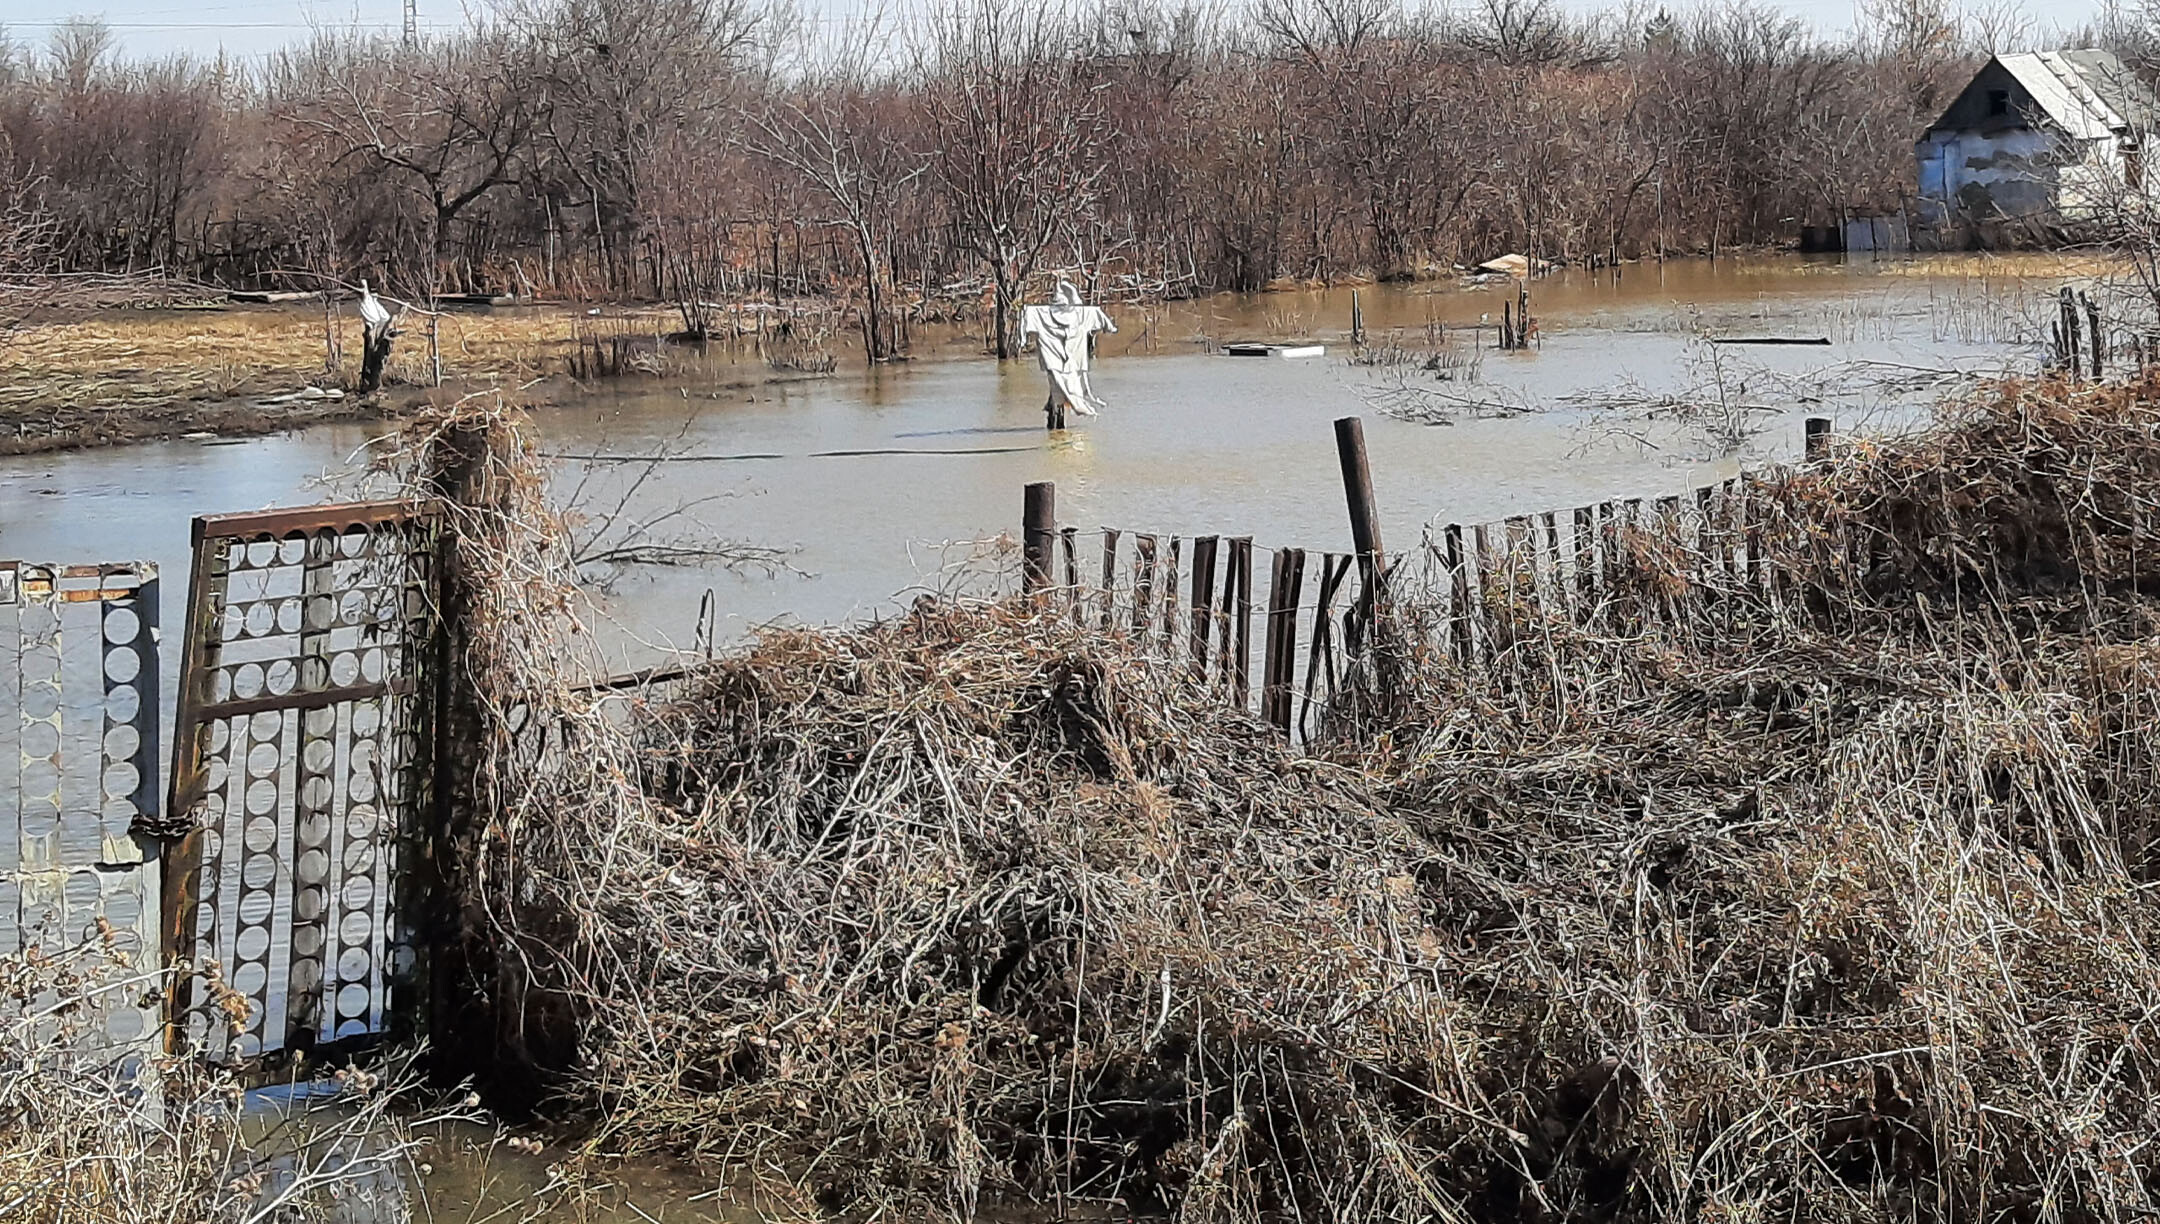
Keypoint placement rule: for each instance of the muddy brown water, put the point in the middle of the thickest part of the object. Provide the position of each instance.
(874, 481)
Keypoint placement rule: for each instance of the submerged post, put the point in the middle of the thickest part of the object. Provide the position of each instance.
(1364, 511)
(1818, 437)
(1038, 534)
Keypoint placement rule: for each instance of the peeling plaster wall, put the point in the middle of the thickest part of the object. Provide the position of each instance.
(2016, 172)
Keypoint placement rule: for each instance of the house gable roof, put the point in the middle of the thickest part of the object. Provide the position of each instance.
(2089, 94)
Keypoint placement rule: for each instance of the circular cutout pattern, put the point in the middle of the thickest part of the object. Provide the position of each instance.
(121, 742)
(122, 704)
(123, 665)
(358, 894)
(359, 858)
(39, 739)
(124, 1024)
(121, 779)
(123, 910)
(259, 871)
(40, 699)
(121, 626)
(254, 941)
(354, 929)
(360, 819)
(255, 907)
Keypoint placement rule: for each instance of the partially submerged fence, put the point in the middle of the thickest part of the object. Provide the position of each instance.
(1191, 599)
(79, 703)
(300, 771)
(313, 707)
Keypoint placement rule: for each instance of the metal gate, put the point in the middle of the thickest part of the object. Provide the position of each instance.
(300, 775)
(79, 763)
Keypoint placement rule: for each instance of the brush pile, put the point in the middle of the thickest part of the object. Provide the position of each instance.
(1825, 907)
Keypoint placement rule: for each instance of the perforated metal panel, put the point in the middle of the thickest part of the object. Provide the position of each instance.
(78, 762)
(299, 774)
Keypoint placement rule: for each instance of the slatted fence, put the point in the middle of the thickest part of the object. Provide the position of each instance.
(1687, 564)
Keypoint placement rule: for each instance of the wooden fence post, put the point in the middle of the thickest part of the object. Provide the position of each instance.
(1202, 604)
(2093, 336)
(1364, 512)
(1286, 583)
(1237, 600)
(1458, 593)
(1038, 519)
(1817, 437)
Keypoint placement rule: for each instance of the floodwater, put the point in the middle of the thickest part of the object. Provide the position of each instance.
(873, 484)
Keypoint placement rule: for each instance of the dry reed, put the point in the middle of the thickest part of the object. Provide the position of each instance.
(1813, 898)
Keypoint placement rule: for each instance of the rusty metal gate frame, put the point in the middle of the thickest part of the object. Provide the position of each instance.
(305, 726)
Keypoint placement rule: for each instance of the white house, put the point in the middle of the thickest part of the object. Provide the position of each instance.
(2053, 135)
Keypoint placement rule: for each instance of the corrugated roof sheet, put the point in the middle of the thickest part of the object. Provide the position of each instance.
(2089, 94)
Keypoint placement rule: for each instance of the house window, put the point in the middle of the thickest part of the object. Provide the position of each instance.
(1998, 101)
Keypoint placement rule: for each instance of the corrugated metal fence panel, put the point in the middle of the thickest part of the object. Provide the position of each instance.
(79, 762)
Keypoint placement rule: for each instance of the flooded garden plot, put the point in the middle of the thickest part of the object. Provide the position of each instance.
(853, 490)
(949, 950)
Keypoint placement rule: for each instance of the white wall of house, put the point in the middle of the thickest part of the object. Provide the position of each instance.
(2018, 172)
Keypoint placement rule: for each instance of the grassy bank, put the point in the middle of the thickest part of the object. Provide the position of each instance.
(89, 379)
(1833, 906)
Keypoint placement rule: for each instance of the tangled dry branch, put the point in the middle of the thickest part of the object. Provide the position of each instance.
(1825, 903)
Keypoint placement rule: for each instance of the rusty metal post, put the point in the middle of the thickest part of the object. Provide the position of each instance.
(1364, 511)
(180, 858)
(1038, 523)
(1818, 437)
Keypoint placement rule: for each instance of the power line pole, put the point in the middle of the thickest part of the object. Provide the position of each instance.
(412, 22)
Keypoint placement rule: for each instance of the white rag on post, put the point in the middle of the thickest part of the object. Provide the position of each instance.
(1060, 331)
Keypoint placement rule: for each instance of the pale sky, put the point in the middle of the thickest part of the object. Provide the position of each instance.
(254, 27)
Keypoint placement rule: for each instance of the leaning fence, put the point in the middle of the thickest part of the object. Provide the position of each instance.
(1189, 600)
(314, 742)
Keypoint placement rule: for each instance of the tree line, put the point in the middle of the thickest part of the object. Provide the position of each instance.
(703, 150)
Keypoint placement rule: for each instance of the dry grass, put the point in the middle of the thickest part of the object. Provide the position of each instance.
(97, 1133)
(1827, 903)
(123, 375)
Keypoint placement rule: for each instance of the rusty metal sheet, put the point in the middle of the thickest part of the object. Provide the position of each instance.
(79, 761)
(299, 770)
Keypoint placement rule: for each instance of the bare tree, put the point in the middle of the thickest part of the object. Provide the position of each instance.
(449, 122)
(843, 130)
(1017, 138)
